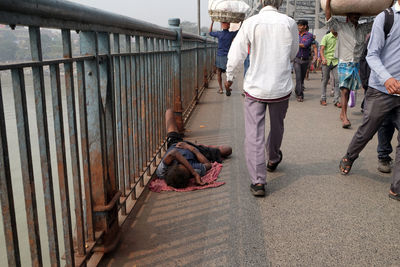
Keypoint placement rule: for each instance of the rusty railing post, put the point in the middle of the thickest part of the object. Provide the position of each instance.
(196, 69)
(205, 71)
(177, 75)
(104, 194)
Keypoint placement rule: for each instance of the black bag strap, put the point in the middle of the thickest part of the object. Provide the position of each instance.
(389, 19)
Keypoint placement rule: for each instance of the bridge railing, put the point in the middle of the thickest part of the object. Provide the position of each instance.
(80, 136)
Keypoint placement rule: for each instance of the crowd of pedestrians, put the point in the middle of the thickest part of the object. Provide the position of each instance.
(272, 45)
(268, 82)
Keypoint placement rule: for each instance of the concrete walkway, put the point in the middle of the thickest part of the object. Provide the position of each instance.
(312, 215)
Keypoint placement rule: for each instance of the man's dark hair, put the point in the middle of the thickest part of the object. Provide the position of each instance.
(302, 22)
(177, 176)
(274, 3)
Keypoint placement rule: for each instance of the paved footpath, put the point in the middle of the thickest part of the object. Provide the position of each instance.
(311, 216)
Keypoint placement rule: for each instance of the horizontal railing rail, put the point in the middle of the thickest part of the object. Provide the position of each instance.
(81, 135)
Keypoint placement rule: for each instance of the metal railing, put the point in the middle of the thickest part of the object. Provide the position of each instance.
(89, 129)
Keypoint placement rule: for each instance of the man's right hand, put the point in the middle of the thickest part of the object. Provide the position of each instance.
(392, 86)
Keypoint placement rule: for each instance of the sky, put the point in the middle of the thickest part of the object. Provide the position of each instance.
(154, 11)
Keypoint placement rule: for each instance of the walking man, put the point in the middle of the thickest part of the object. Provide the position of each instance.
(274, 42)
(301, 63)
(351, 43)
(382, 96)
(329, 64)
(225, 38)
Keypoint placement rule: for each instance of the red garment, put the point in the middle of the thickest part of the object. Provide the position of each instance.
(158, 185)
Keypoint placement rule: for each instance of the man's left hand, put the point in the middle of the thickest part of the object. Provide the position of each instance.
(228, 84)
(183, 145)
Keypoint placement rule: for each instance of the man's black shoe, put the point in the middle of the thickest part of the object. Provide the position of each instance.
(257, 190)
(272, 166)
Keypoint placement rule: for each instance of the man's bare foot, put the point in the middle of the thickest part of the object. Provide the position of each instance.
(346, 124)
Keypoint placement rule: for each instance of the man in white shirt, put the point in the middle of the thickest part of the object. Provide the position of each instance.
(274, 42)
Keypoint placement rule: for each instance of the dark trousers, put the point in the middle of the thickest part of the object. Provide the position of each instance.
(385, 134)
(377, 106)
(300, 68)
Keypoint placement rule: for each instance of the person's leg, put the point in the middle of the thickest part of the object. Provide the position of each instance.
(395, 186)
(335, 84)
(219, 78)
(297, 70)
(344, 100)
(378, 104)
(385, 134)
(255, 140)
(304, 67)
(277, 114)
(225, 150)
(170, 121)
(325, 79)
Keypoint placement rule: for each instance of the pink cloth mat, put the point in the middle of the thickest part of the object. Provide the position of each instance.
(158, 185)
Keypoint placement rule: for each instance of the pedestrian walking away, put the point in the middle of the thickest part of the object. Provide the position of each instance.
(383, 94)
(225, 38)
(350, 45)
(274, 43)
(301, 62)
(329, 66)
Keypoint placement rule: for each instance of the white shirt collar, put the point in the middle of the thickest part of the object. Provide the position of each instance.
(397, 6)
(268, 8)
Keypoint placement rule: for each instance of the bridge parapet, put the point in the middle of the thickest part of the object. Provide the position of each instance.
(99, 125)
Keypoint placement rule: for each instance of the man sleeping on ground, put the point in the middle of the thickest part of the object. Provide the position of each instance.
(184, 160)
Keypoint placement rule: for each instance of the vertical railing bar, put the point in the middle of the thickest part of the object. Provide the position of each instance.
(6, 196)
(134, 106)
(152, 115)
(163, 78)
(158, 92)
(26, 165)
(147, 78)
(124, 124)
(139, 98)
(166, 77)
(108, 129)
(61, 161)
(80, 70)
(143, 107)
(44, 147)
(73, 140)
(101, 185)
(137, 109)
(129, 87)
(118, 112)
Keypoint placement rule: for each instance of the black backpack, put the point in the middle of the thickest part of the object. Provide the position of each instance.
(365, 70)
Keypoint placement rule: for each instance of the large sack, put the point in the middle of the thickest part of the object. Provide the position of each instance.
(228, 10)
(364, 7)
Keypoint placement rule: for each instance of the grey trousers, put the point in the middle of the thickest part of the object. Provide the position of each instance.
(300, 68)
(377, 106)
(326, 73)
(254, 143)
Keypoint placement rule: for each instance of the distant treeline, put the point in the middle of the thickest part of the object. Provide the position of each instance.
(14, 44)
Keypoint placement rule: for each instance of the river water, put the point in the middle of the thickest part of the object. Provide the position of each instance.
(14, 156)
